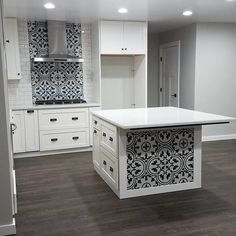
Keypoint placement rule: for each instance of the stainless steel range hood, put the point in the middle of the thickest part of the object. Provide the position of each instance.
(57, 41)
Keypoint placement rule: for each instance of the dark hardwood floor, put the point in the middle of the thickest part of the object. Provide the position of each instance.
(62, 195)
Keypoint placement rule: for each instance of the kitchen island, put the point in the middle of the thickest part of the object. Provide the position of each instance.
(147, 151)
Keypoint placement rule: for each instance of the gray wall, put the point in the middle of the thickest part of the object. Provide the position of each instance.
(187, 37)
(5, 177)
(153, 64)
(215, 78)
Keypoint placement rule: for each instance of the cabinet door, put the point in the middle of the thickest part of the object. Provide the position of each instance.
(12, 49)
(135, 39)
(19, 133)
(96, 147)
(112, 37)
(31, 131)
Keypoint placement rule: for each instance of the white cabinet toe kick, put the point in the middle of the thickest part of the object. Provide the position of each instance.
(137, 159)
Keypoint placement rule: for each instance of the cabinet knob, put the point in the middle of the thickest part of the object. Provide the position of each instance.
(126, 49)
(54, 139)
(75, 138)
(53, 119)
(95, 131)
(111, 139)
(75, 118)
(104, 135)
(122, 49)
(18, 73)
(95, 122)
(104, 162)
(7, 41)
(111, 169)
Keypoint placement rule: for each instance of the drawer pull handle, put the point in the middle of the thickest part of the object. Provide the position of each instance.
(75, 118)
(104, 135)
(75, 138)
(53, 119)
(30, 111)
(95, 122)
(104, 162)
(54, 139)
(95, 131)
(111, 169)
(111, 139)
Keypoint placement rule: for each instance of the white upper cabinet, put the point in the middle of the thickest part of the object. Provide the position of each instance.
(12, 49)
(111, 37)
(119, 38)
(135, 38)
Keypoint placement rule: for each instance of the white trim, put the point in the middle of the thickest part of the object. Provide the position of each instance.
(46, 153)
(161, 84)
(8, 229)
(219, 137)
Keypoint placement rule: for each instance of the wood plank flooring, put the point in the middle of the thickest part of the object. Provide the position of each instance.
(62, 195)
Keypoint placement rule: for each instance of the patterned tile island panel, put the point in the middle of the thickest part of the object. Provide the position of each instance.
(55, 80)
(159, 157)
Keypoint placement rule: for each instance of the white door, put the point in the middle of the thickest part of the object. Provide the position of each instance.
(134, 38)
(170, 70)
(112, 37)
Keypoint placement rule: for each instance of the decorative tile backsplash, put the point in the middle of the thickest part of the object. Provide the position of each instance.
(55, 80)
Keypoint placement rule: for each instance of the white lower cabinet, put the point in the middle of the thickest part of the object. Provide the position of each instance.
(25, 136)
(96, 147)
(18, 135)
(105, 151)
(64, 139)
(109, 167)
(31, 131)
(50, 129)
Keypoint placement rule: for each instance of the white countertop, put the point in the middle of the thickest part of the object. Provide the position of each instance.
(56, 106)
(158, 117)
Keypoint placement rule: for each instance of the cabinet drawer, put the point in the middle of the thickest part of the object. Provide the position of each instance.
(96, 122)
(109, 137)
(55, 140)
(109, 167)
(66, 119)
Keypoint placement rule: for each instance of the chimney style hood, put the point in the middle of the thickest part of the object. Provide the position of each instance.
(57, 41)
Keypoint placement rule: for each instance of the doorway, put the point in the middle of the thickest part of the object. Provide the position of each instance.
(169, 74)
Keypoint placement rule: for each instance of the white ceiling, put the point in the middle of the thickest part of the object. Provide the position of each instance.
(162, 14)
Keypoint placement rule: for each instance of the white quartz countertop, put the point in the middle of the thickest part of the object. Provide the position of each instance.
(54, 106)
(158, 117)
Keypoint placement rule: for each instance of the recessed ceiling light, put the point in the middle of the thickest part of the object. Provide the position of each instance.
(122, 10)
(49, 5)
(187, 13)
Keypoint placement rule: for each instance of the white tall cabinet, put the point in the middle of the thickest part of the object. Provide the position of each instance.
(12, 49)
(122, 69)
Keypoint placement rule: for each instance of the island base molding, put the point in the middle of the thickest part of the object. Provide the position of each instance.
(140, 162)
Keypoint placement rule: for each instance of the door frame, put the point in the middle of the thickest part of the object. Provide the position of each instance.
(161, 80)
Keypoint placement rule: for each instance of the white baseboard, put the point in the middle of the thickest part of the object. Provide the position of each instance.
(8, 229)
(218, 137)
(47, 153)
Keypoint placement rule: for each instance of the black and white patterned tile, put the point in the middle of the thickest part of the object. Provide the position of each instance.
(159, 157)
(53, 81)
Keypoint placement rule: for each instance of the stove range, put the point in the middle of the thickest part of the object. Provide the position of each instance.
(51, 102)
